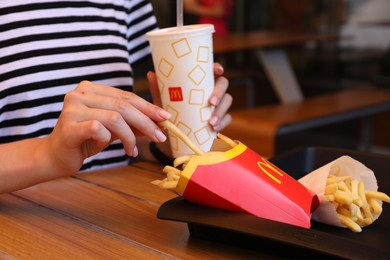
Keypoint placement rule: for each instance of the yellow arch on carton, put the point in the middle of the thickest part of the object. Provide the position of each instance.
(206, 160)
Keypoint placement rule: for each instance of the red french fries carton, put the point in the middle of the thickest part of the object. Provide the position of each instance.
(241, 180)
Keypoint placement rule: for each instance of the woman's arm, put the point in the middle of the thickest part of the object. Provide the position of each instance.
(24, 163)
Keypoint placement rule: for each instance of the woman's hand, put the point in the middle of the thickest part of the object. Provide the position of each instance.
(219, 98)
(93, 116)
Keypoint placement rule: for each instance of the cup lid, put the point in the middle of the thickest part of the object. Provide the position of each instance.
(180, 32)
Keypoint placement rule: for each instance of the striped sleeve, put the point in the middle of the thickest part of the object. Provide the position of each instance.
(140, 20)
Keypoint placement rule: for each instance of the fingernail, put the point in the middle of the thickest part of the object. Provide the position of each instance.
(160, 135)
(135, 152)
(213, 120)
(220, 69)
(165, 114)
(214, 100)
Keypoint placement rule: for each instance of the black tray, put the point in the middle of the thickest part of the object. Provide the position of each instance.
(290, 241)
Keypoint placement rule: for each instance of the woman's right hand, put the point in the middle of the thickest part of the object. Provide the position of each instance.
(93, 116)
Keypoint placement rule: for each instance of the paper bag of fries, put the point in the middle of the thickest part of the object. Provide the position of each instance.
(238, 179)
(348, 194)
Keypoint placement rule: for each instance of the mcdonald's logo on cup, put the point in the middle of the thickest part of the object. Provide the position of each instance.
(175, 94)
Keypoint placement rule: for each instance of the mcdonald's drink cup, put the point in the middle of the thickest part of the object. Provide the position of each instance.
(183, 61)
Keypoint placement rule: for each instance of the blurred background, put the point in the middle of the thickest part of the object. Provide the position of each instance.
(360, 57)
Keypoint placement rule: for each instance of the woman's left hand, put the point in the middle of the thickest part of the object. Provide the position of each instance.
(219, 98)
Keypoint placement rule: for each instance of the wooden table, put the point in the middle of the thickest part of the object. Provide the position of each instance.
(112, 214)
(109, 214)
(269, 49)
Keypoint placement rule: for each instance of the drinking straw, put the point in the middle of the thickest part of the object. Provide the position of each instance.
(179, 13)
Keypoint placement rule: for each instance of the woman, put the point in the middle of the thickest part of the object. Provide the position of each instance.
(48, 127)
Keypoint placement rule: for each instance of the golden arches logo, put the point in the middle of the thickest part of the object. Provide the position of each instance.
(269, 169)
(175, 94)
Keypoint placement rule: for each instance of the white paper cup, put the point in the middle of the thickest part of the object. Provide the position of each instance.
(183, 61)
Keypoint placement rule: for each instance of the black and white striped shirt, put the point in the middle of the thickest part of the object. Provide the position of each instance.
(48, 46)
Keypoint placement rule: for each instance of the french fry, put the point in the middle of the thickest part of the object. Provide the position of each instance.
(357, 200)
(171, 176)
(361, 192)
(336, 179)
(344, 211)
(377, 195)
(359, 214)
(375, 206)
(168, 185)
(169, 168)
(343, 197)
(330, 197)
(344, 187)
(176, 131)
(156, 182)
(182, 160)
(354, 209)
(331, 188)
(349, 223)
(355, 194)
(226, 139)
(364, 222)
